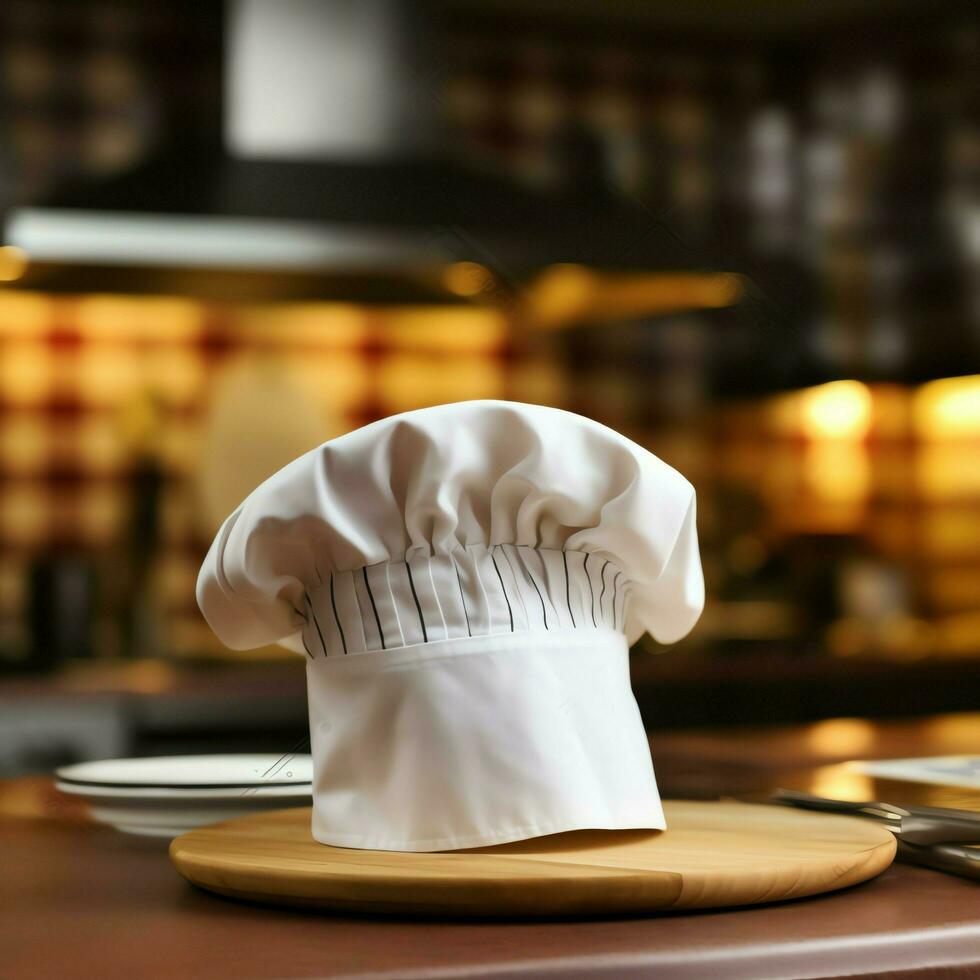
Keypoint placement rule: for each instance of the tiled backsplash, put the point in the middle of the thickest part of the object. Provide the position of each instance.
(91, 384)
(100, 392)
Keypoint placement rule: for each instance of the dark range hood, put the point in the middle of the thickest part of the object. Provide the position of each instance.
(332, 168)
(197, 208)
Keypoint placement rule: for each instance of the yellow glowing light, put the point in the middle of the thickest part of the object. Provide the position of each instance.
(563, 293)
(838, 472)
(176, 577)
(838, 410)
(94, 441)
(25, 442)
(24, 515)
(13, 263)
(147, 318)
(539, 381)
(180, 445)
(445, 329)
(949, 408)
(323, 325)
(950, 734)
(149, 677)
(947, 471)
(953, 588)
(467, 278)
(950, 533)
(408, 381)
(24, 314)
(567, 294)
(841, 782)
(26, 373)
(106, 375)
(99, 511)
(339, 381)
(956, 635)
(841, 737)
(175, 373)
(13, 587)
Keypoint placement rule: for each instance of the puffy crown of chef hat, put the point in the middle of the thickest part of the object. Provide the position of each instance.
(464, 581)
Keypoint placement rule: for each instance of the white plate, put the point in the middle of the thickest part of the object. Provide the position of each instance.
(192, 772)
(190, 794)
(164, 797)
(153, 820)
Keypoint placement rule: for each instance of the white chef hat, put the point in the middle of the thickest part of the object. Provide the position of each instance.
(465, 581)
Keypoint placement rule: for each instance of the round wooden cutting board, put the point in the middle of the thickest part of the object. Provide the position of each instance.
(714, 854)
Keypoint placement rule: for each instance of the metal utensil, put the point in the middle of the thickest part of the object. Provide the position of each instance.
(932, 836)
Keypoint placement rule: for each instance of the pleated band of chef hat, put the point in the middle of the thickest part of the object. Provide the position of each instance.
(464, 581)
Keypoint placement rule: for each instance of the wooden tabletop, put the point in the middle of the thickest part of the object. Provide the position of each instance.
(80, 900)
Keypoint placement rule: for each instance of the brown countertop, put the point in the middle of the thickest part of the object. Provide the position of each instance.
(81, 900)
(85, 901)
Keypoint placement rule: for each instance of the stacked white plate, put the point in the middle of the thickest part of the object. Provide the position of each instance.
(165, 796)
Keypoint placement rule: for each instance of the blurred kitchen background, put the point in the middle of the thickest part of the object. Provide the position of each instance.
(747, 235)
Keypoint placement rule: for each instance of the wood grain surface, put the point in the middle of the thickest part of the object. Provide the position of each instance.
(713, 855)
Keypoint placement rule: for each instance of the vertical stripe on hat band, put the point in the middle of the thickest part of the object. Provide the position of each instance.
(435, 592)
(418, 605)
(530, 575)
(568, 596)
(510, 612)
(462, 598)
(357, 606)
(486, 598)
(517, 585)
(302, 636)
(374, 608)
(394, 604)
(316, 623)
(588, 575)
(363, 622)
(340, 629)
(615, 594)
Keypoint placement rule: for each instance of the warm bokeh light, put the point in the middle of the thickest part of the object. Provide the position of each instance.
(950, 533)
(837, 471)
(26, 373)
(842, 782)
(25, 442)
(139, 318)
(295, 324)
(954, 588)
(93, 441)
(561, 294)
(408, 381)
(949, 733)
(336, 380)
(24, 314)
(891, 411)
(948, 471)
(949, 408)
(567, 295)
(104, 375)
(175, 374)
(838, 410)
(467, 279)
(176, 576)
(98, 513)
(13, 263)
(539, 381)
(447, 329)
(841, 737)
(24, 515)
(956, 635)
